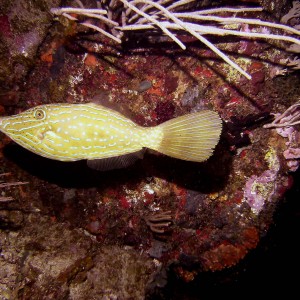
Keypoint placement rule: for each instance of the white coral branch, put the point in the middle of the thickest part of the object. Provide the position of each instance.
(293, 63)
(290, 117)
(164, 15)
(294, 12)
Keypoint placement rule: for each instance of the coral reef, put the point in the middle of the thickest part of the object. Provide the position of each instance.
(180, 16)
(67, 230)
(286, 125)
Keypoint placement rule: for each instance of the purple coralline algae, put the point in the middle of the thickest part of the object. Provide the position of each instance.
(292, 153)
(287, 125)
(259, 189)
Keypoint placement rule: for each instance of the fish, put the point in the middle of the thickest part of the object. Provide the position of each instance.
(106, 138)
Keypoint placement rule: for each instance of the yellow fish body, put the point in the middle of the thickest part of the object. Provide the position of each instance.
(70, 132)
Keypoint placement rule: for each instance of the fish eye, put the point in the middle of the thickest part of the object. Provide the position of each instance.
(39, 114)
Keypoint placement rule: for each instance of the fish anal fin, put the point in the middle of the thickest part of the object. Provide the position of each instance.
(116, 162)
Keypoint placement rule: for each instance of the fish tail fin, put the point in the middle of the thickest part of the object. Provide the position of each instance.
(191, 137)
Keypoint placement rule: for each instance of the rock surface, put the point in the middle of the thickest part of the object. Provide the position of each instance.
(74, 233)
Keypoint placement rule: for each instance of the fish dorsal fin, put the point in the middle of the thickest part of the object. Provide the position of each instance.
(116, 162)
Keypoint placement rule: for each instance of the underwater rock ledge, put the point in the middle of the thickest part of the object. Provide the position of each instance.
(66, 231)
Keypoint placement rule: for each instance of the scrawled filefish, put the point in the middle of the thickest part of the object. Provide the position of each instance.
(106, 138)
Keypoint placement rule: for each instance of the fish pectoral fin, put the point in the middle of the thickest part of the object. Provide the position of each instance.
(116, 162)
(42, 132)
